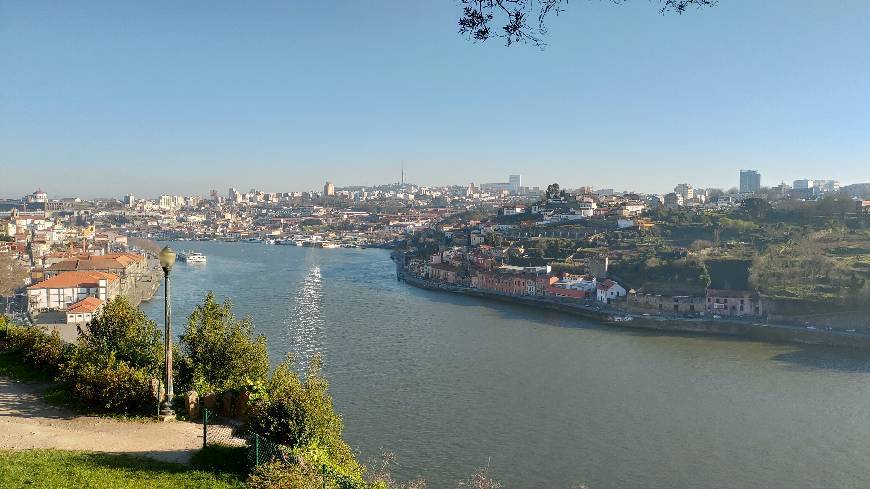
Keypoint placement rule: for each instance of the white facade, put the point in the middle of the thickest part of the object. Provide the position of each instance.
(610, 291)
(59, 298)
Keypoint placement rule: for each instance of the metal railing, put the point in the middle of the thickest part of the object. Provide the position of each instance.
(219, 431)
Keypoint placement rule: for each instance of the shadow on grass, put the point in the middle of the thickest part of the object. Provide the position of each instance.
(221, 459)
(34, 384)
(46, 468)
(11, 366)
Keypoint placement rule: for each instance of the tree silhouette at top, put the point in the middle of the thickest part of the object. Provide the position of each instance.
(524, 21)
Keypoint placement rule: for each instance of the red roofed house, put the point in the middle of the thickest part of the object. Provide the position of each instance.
(59, 292)
(608, 291)
(83, 311)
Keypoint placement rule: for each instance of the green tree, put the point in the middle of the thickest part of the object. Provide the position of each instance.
(553, 190)
(220, 351)
(117, 357)
(124, 331)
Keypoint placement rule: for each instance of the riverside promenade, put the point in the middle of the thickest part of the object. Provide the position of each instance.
(601, 313)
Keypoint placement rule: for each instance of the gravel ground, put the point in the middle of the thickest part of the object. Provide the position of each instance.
(26, 421)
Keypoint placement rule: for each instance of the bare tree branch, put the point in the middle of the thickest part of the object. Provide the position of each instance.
(513, 16)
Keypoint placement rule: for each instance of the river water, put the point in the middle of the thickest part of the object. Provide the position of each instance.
(452, 383)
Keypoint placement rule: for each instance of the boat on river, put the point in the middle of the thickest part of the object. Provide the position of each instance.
(192, 257)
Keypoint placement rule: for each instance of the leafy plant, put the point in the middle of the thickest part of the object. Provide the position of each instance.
(299, 414)
(36, 348)
(220, 352)
(108, 384)
(125, 332)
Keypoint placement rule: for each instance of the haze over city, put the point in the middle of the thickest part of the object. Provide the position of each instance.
(282, 97)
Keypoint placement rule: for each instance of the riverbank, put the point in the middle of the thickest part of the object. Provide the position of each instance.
(760, 331)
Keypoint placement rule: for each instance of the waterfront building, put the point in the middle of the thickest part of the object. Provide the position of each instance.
(59, 292)
(665, 303)
(750, 181)
(733, 303)
(609, 291)
(83, 311)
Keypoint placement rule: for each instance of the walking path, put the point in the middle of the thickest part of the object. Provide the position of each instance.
(26, 421)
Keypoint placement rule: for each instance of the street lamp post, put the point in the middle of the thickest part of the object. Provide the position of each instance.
(167, 259)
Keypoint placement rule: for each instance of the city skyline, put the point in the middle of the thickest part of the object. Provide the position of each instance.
(514, 184)
(296, 95)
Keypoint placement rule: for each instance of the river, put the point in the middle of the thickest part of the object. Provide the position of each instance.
(452, 383)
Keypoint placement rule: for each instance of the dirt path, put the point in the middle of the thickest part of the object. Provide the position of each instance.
(26, 421)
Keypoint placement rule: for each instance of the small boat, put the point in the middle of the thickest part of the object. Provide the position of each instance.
(327, 244)
(192, 257)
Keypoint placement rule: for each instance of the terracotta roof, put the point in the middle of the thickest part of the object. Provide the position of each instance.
(74, 279)
(112, 261)
(606, 285)
(86, 305)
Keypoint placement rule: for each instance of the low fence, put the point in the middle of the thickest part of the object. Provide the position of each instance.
(219, 431)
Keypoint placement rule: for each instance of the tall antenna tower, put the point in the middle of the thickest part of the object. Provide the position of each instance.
(403, 174)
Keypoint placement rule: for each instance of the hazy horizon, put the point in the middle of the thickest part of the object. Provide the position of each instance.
(167, 98)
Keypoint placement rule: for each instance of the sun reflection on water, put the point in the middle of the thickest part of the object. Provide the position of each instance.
(305, 324)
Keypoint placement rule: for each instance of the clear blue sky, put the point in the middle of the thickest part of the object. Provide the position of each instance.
(105, 98)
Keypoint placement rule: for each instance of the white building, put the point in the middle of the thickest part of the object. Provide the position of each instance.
(609, 291)
(83, 311)
(65, 289)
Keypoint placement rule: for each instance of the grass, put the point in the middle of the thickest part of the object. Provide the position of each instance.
(222, 459)
(11, 366)
(75, 470)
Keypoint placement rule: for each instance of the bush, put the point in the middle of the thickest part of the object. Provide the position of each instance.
(299, 414)
(278, 475)
(219, 351)
(111, 369)
(108, 385)
(301, 475)
(125, 332)
(38, 349)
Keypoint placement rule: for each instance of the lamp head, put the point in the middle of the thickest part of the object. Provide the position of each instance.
(167, 258)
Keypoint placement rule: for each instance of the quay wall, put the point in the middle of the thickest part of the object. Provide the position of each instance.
(777, 333)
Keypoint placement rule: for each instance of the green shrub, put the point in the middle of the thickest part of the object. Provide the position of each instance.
(124, 331)
(219, 351)
(118, 355)
(299, 414)
(107, 384)
(301, 475)
(278, 475)
(38, 349)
